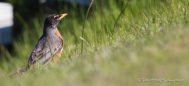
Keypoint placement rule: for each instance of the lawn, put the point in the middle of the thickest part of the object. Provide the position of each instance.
(147, 46)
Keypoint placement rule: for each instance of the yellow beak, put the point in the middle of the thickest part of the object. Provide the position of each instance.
(62, 16)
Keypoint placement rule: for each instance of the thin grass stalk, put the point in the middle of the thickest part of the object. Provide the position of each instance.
(119, 16)
(84, 24)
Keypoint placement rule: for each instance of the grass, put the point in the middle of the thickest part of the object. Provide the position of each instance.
(150, 41)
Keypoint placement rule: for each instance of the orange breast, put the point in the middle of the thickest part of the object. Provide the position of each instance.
(59, 54)
(58, 33)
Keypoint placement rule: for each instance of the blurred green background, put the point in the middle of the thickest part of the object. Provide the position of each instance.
(150, 40)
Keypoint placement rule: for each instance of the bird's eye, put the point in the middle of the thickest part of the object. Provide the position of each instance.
(55, 17)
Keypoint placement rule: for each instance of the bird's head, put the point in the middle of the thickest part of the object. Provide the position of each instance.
(54, 19)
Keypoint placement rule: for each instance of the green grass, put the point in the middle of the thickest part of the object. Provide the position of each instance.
(150, 40)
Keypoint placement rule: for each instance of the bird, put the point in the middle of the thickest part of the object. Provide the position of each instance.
(50, 45)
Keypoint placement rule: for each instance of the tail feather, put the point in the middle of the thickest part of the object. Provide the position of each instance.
(19, 72)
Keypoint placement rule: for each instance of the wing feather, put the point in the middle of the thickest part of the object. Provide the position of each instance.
(44, 51)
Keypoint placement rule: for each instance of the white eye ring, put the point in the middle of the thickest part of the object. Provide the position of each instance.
(55, 17)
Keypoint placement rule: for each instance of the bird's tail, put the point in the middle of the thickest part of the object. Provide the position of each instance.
(19, 72)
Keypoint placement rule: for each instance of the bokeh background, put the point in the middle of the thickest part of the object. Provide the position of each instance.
(107, 43)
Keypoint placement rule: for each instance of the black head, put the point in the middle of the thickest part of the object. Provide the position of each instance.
(53, 19)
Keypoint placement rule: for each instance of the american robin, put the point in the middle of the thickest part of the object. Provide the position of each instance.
(49, 46)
